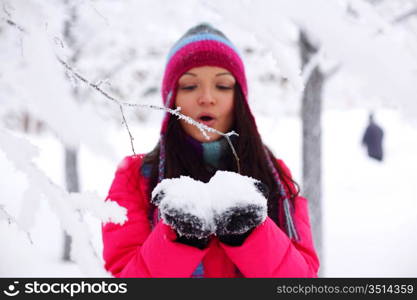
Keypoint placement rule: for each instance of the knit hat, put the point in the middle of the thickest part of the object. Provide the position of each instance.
(201, 45)
(204, 45)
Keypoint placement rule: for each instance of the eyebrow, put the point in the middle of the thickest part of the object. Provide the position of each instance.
(188, 73)
(219, 74)
(226, 73)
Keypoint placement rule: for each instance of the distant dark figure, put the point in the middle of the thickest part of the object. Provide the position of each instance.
(372, 139)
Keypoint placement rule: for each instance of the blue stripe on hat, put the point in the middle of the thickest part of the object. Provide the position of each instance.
(197, 38)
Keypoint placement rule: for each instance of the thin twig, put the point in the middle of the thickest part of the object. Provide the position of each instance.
(11, 219)
(203, 128)
(234, 153)
(5, 10)
(98, 13)
(12, 23)
(127, 128)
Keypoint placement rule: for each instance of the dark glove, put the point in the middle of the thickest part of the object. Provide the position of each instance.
(184, 205)
(242, 208)
(234, 239)
(193, 241)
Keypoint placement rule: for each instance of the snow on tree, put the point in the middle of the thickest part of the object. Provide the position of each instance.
(123, 44)
(68, 206)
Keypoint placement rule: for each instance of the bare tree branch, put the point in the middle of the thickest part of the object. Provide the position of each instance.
(314, 62)
(404, 16)
(127, 128)
(332, 71)
(9, 20)
(12, 23)
(10, 219)
(203, 128)
(98, 13)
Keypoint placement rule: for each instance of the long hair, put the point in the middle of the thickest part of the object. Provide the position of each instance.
(183, 159)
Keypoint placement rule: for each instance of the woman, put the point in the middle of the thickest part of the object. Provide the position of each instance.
(269, 235)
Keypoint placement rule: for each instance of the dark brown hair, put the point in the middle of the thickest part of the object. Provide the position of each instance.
(183, 159)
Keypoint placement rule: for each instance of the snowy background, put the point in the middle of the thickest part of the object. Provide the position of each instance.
(370, 208)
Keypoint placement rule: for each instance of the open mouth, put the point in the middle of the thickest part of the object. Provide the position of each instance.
(206, 119)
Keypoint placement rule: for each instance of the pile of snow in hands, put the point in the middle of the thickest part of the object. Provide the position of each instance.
(225, 191)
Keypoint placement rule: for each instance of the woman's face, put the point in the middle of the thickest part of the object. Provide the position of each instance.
(206, 94)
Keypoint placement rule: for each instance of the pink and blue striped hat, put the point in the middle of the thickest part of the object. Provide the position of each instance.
(202, 45)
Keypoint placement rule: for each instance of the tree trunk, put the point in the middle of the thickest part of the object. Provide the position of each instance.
(72, 182)
(311, 124)
(71, 154)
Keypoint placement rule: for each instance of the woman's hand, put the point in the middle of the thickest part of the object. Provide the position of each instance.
(184, 204)
(230, 206)
(239, 205)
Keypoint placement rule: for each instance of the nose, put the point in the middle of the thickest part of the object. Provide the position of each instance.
(206, 97)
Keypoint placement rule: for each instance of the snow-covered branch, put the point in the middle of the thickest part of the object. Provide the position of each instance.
(9, 20)
(404, 16)
(12, 23)
(176, 112)
(67, 206)
(4, 215)
(313, 63)
(332, 71)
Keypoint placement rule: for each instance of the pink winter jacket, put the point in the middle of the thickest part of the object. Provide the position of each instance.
(133, 249)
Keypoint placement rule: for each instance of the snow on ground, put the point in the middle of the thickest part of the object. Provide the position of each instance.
(370, 208)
